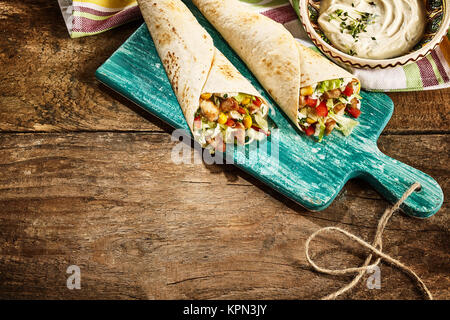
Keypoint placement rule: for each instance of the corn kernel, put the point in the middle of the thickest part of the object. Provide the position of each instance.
(206, 96)
(247, 122)
(246, 101)
(310, 121)
(306, 91)
(223, 118)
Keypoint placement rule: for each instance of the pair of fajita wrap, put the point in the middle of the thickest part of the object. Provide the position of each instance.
(219, 104)
(317, 95)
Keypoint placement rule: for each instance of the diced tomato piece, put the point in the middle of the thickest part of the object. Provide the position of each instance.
(257, 102)
(322, 110)
(230, 122)
(355, 112)
(311, 102)
(348, 90)
(310, 130)
(242, 110)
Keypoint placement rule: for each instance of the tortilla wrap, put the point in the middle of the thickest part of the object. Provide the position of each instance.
(316, 68)
(192, 63)
(281, 64)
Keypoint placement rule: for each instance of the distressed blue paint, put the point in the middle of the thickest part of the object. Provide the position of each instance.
(308, 172)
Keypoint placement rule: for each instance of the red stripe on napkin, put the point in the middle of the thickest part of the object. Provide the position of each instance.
(85, 25)
(281, 14)
(440, 66)
(427, 73)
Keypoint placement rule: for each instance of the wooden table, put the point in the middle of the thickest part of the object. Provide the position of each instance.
(87, 179)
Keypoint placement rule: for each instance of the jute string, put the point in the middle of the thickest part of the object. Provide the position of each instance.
(375, 248)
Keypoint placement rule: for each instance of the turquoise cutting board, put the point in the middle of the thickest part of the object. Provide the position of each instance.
(304, 170)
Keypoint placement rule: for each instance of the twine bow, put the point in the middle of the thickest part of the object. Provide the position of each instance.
(375, 248)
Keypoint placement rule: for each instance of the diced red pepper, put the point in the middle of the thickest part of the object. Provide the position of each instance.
(349, 90)
(311, 102)
(261, 130)
(257, 102)
(322, 110)
(230, 122)
(310, 130)
(355, 112)
(242, 110)
(198, 122)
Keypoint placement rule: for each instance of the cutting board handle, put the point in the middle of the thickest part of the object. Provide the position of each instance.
(392, 178)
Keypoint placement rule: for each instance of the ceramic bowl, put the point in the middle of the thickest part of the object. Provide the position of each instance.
(438, 21)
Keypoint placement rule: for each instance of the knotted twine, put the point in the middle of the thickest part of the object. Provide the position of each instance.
(375, 248)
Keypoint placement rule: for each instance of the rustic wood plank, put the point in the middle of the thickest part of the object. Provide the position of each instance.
(140, 226)
(420, 112)
(47, 80)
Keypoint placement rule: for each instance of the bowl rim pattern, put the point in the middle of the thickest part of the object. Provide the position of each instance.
(362, 63)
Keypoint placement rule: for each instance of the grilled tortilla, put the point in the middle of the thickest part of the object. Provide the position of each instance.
(216, 100)
(284, 66)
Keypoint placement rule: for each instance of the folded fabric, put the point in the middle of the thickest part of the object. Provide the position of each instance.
(89, 17)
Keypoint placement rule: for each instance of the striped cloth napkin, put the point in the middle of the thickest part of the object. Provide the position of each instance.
(88, 17)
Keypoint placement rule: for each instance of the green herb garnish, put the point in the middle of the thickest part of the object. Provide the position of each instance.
(354, 26)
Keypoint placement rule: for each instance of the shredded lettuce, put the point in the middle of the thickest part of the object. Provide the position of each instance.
(228, 135)
(330, 103)
(254, 135)
(342, 100)
(344, 124)
(262, 123)
(321, 130)
(328, 85)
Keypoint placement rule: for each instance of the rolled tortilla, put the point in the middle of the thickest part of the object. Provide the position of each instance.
(192, 63)
(281, 64)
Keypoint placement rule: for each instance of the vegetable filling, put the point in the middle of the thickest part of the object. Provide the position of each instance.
(230, 118)
(323, 108)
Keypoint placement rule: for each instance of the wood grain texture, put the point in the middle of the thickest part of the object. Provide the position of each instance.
(47, 79)
(141, 227)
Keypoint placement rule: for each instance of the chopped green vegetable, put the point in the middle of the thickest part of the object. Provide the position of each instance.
(241, 97)
(322, 129)
(330, 104)
(329, 85)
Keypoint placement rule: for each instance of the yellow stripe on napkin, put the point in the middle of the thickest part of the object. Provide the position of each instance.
(111, 4)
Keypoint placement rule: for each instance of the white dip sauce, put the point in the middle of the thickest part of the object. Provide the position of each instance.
(373, 29)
